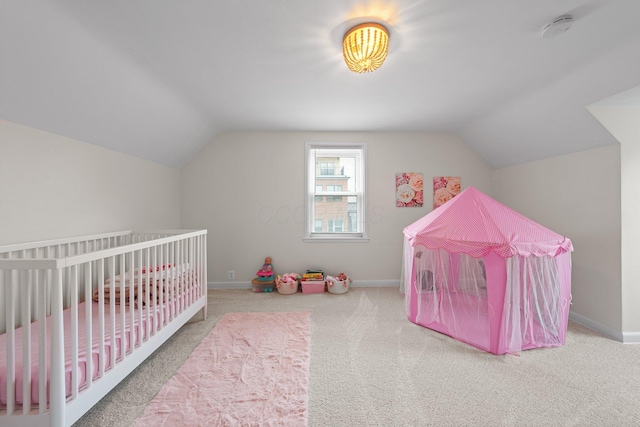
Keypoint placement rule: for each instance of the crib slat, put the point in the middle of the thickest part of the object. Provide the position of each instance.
(186, 252)
(158, 289)
(123, 287)
(157, 259)
(149, 260)
(37, 294)
(203, 267)
(101, 322)
(88, 325)
(140, 298)
(182, 274)
(11, 342)
(163, 257)
(42, 344)
(131, 304)
(26, 340)
(193, 276)
(195, 263)
(73, 272)
(195, 259)
(57, 385)
(184, 288)
(194, 280)
(178, 298)
(112, 312)
(193, 273)
(170, 282)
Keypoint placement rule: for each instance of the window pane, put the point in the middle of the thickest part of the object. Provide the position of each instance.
(334, 188)
(318, 189)
(327, 168)
(334, 225)
(342, 170)
(333, 213)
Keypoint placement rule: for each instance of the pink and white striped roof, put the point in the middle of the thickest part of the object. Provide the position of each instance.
(475, 224)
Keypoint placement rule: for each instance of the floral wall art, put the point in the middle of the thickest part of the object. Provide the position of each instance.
(409, 189)
(445, 188)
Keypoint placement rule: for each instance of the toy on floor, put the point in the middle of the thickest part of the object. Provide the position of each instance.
(266, 273)
(266, 277)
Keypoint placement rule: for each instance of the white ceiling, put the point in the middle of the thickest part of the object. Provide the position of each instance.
(159, 79)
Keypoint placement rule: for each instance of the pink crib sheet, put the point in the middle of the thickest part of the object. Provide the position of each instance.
(82, 356)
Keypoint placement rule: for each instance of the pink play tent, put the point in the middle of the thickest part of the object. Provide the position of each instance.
(483, 274)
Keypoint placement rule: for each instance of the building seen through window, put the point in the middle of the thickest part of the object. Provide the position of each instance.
(335, 183)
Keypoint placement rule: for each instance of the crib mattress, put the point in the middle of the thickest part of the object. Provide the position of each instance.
(131, 334)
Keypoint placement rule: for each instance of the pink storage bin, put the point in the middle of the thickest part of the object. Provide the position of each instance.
(312, 286)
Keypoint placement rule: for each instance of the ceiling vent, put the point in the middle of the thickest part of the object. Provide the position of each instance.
(558, 26)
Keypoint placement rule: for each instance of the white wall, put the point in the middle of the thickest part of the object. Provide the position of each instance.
(52, 186)
(577, 195)
(247, 189)
(623, 121)
(631, 229)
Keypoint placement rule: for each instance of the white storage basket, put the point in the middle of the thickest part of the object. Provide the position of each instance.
(338, 287)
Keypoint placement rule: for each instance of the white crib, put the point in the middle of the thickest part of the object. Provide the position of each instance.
(98, 306)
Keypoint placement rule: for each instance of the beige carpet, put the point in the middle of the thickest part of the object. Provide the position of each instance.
(371, 367)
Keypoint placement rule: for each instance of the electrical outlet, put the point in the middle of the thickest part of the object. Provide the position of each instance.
(231, 274)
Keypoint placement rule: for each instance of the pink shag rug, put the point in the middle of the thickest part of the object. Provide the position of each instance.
(252, 369)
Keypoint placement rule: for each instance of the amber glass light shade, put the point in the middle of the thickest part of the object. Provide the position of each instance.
(365, 47)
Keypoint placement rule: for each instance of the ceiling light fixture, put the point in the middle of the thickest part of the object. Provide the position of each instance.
(365, 47)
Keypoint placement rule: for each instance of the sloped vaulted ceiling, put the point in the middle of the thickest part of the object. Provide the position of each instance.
(159, 79)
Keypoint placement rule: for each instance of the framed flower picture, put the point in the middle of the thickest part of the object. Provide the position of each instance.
(409, 189)
(445, 188)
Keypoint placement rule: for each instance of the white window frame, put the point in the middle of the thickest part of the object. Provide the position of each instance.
(360, 150)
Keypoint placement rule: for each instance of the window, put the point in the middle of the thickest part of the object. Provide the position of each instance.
(326, 168)
(353, 214)
(318, 190)
(335, 191)
(334, 225)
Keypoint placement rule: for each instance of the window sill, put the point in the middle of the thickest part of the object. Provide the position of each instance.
(336, 240)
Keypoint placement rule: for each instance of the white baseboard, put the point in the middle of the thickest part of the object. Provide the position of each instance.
(631, 337)
(598, 327)
(229, 285)
(354, 284)
(374, 283)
